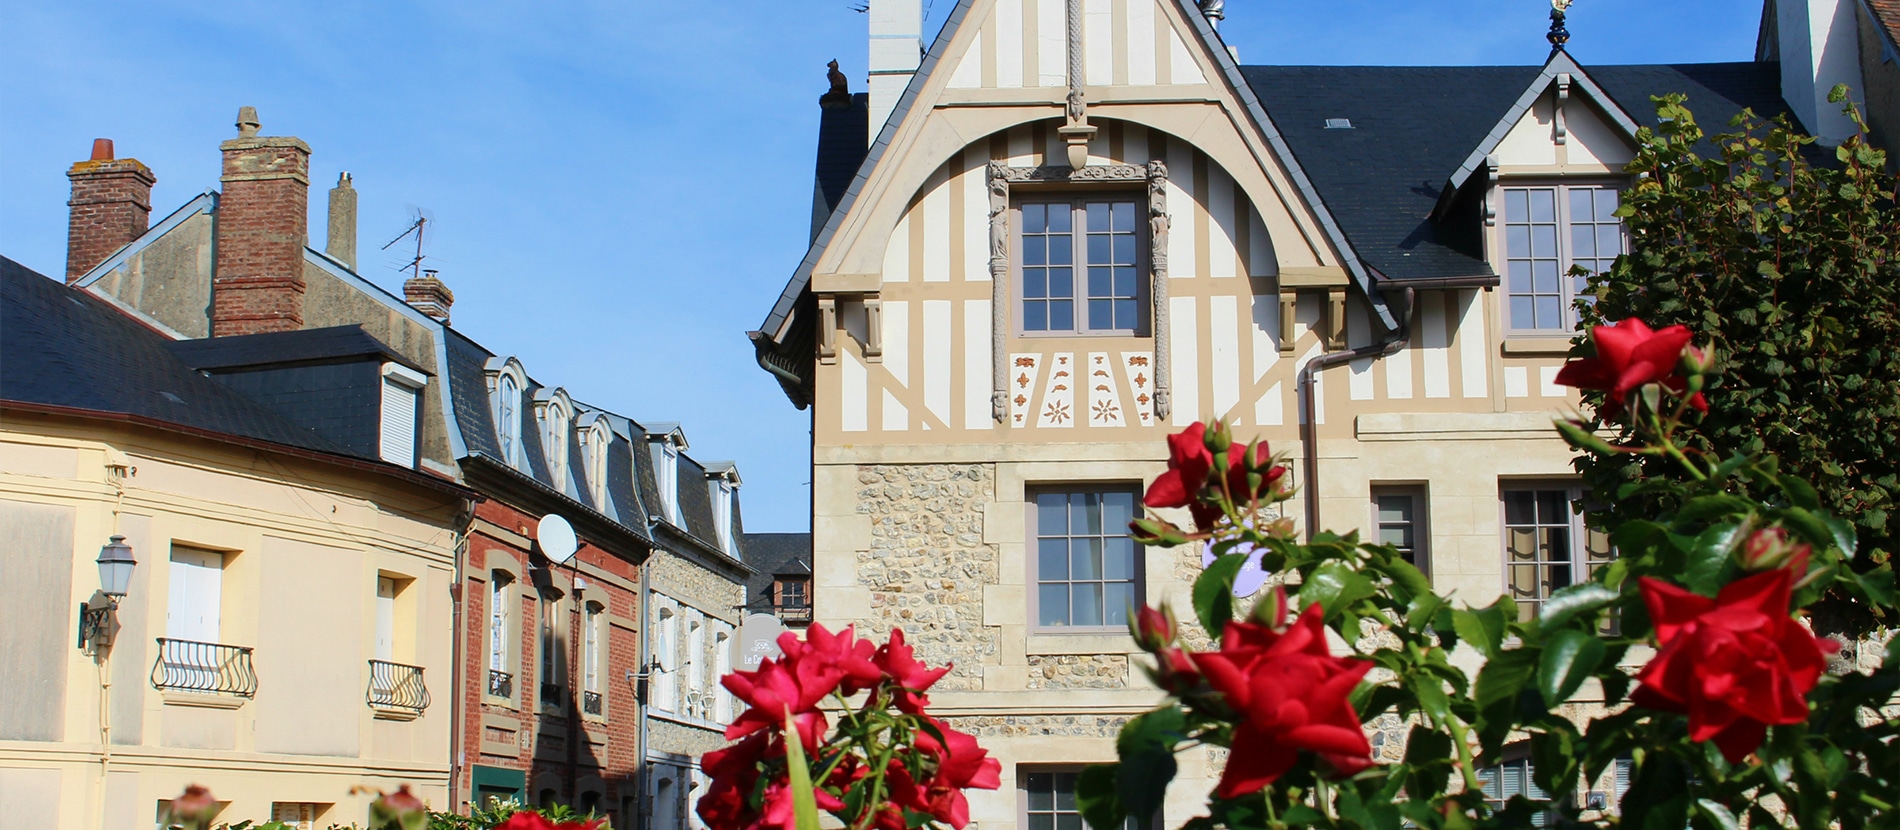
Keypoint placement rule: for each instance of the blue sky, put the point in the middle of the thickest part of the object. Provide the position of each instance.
(619, 189)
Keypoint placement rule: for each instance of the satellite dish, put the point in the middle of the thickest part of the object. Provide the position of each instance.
(557, 538)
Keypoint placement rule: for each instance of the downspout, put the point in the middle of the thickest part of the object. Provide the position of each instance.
(458, 730)
(1309, 425)
(642, 686)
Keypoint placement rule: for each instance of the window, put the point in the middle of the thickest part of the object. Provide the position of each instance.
(666, 655)
(793, 593)
(1399, 516)
(1546, 546)
(500, 679)
(553, 654)
(1048, 800)
(1102, 237)
(590, 657)
(508, 419)
(722, 666)
(556, 425)
(1546, 231)
(300, 815)
(1513, 778)
(1086, 569)
(597, 439)
(722, 514)
(402, 391)
(696, 668)
(194, 612)
(666, 474)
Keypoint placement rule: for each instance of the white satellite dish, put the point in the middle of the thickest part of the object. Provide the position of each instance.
(557, 538)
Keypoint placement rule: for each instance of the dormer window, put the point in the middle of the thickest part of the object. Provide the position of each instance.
(724, 485)
(667, 472)
(557, 421)
(508, 419)
(401, 408)
(596, 440)
(1547, 230)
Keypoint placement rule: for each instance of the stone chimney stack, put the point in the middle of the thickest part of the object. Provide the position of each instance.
(342, 242)
(897, 43)
(429, 295)
(111, 206)
(263, 225)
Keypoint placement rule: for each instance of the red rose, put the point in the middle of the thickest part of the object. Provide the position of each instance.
(1629, 356)
(960, 764)
(1153, 628)
(1291, 695)
(911, 677)
(845, 650)
(1190, 462)
(1735, 664)
(778, 686)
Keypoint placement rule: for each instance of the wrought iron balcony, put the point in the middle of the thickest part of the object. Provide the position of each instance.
(799, 613)
(501, 683)
(396, 686)
(209, 668)
(590, 703)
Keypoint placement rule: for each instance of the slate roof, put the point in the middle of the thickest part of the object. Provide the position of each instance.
(773, 555)
(1887, 14)
(1412, 126)
(67, 349)
(286, 348)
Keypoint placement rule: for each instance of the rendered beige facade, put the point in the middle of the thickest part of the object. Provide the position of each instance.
(300, 547)
(935, 433)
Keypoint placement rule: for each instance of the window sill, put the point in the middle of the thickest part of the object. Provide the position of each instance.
(500, 750)
(203, 701)
(1096, 641)
(1530, 344)
(394, 714)
(503, 702)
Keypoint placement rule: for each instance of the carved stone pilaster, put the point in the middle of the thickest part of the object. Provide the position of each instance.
(999, 290)
(827, 330)
(1076, 132)
(1158, 224)
(873, 330)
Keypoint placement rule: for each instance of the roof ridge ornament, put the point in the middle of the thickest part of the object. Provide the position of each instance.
(1558, 35)
(1214, 10)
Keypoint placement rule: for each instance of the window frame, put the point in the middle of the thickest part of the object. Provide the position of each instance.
(1514, 757)
(1565, 254)
(551, 652)
(503, 607)
(508, 418)
(1580, 561)
(557, 424)
(1077, 199)
(665, 688)
(1024, 771)
(1032, 563)
(1420, 494)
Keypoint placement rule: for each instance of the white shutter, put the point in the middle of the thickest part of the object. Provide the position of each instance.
(385, 618)
(197, 591)
(399, 422)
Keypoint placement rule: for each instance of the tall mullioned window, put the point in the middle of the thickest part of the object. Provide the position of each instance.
(1080, 265)
(1087, 570)
(1547, 230)
(1546, 546)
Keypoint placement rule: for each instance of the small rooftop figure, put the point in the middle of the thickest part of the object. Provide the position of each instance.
(840, 93)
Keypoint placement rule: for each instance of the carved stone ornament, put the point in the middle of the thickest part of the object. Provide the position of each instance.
(1130, 173)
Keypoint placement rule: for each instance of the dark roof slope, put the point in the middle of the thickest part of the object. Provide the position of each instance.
(65, 348)
(695, 500)
(1412, 126)
(468, 393)
(284, 348)
(843, 139)
(773, 555)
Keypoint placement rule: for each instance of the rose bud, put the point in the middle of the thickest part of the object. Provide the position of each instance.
(400, 809)
(1696, 361)
(1770, 548)
(195, 809)
(1270, 611)
(1152, 629)
(1157, 532)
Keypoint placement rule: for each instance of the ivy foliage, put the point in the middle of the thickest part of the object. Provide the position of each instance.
(1787, 259)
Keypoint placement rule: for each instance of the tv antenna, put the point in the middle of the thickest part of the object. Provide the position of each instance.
(417, 227)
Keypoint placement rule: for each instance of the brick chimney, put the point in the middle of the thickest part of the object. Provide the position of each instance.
(263, 225)
(111, 206)
(341, 245)
(429, 295)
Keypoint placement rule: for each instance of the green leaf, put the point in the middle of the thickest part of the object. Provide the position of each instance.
(1483, 628)
(1720, 504)
(1504, 675)
(1844, 536)
(1566, 603)
(1146, 746)
(1096, 797)
(1800, 493)
(1569, 658)
(1717, 814)
(1710, 559)
(1658, 797)
(1431, 697)
(1420, 612)
(1214, 594)
(804, 802)
(1554, 759)
(1808, 526)
(1334, 586)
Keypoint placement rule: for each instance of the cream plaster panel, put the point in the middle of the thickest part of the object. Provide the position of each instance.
(32, 459)
(844, 532)
(842, 604)
(1005, 522)
(1004, 604)
(1006, 678)
(1530, 140)
(1594, 139)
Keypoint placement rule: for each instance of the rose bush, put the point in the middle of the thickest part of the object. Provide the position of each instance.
(1700, 674)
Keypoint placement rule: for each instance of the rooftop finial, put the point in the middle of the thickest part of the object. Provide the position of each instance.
(1214, 10)
(247, 122)
(1558, 35)
(840, 93)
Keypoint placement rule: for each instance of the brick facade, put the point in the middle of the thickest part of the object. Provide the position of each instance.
(585, 760)
(111, 206)
(263, 226)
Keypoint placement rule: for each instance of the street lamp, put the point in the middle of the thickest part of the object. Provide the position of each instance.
(115, 577)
